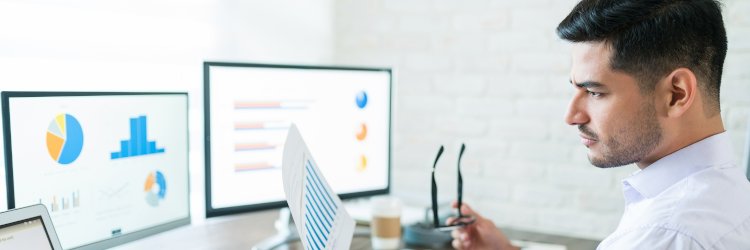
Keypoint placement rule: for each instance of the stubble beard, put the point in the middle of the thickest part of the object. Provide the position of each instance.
(631, 143)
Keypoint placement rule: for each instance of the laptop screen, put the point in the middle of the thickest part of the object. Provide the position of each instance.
(25, 234)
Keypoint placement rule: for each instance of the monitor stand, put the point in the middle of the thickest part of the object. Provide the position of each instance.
(285, 232)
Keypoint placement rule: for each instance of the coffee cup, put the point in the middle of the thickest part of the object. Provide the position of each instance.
(386, 223)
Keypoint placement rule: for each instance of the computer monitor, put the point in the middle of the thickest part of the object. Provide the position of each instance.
(110, 167)
(343, 113)
(747, 151)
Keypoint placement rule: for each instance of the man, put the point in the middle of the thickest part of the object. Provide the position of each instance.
(647, 75)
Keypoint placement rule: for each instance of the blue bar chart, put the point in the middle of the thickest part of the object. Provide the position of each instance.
(320, 210)
(138, 143)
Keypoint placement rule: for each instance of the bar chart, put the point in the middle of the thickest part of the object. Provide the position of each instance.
(265, 125)
(254, 146)
(275, 104)
(320, 210)
(243, 167)
(138, 143)
(62, 202)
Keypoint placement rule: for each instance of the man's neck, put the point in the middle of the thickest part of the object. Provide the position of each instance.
(686, 136)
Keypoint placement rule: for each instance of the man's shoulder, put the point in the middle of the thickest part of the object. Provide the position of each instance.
(706, 206)
(714, 192)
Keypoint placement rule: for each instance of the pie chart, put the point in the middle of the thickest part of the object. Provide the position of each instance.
(64, 139)
(155, 188)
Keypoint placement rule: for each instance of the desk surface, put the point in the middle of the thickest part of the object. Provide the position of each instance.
(244, 231)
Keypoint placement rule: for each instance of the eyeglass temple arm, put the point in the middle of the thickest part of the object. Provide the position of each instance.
(435, 218)
(460, 180)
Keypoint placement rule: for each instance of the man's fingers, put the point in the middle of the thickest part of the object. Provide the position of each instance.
(465, 209)
(465, 244)
(456, 234)
(454, 204)
(460, 239)
(450, 221)
(456, 244)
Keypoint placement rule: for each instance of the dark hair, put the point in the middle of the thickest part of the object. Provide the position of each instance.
(651, 38)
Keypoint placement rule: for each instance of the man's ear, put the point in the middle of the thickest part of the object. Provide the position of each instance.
(682, 90)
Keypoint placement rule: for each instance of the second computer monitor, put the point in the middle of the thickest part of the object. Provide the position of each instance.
(110, 167)
(342, 113)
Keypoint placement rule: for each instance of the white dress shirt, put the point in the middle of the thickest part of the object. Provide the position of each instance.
(695, 198)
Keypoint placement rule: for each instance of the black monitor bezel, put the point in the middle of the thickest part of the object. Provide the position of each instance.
(213, 212)
(5, 97)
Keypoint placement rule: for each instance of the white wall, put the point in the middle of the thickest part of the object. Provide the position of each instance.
(142, 45)
(493, 74)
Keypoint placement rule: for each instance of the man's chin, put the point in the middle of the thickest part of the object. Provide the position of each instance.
(597, 160)
(600, 162)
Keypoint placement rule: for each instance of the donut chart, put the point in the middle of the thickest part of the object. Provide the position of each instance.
(64, 139)
(155, 188)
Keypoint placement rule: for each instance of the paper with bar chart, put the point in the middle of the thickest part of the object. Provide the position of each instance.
(321, 220)
(344, 115)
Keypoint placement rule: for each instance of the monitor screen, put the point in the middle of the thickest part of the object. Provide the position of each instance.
(110, 167)
(342, 113)
(747, 151)
(26, 234)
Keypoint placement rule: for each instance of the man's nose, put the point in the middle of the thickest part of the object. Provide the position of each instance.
(576, 110)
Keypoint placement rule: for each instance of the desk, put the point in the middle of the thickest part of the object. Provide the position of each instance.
(245, 230)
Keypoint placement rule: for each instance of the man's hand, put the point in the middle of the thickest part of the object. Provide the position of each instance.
(482, 234)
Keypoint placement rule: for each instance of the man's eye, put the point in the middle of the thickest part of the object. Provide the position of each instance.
(594, 94)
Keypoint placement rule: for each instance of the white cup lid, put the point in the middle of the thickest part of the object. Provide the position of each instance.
(385, 206)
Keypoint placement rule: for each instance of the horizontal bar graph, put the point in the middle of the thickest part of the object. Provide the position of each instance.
(262, 125)
(243, 167)
(271, 104)
(320, 210)
(240, 147)
(138, 143)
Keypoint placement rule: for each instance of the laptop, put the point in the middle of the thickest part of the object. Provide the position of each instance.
(28, 228)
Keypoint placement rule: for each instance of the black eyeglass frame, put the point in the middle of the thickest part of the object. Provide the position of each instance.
(461, 220)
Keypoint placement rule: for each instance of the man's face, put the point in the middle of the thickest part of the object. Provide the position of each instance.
(616, 122)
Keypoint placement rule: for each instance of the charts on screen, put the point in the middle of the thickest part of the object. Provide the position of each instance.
(155, 188)
(344, 114)
(104, 164)
(138, 144)
(64, 139)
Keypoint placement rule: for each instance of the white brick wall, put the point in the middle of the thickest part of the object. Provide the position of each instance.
(143, 45)
(494, 75)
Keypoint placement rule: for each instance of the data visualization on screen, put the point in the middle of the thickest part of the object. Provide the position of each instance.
(109, 167)
(343, 113)
(64, 139)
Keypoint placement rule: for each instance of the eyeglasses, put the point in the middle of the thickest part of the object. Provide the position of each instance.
(462, 219)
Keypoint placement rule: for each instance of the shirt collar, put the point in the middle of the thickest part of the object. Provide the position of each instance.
(654, 179)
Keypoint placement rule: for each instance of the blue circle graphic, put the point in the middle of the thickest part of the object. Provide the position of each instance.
(362, 99)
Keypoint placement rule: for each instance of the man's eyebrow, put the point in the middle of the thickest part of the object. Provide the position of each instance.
(587, 84)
